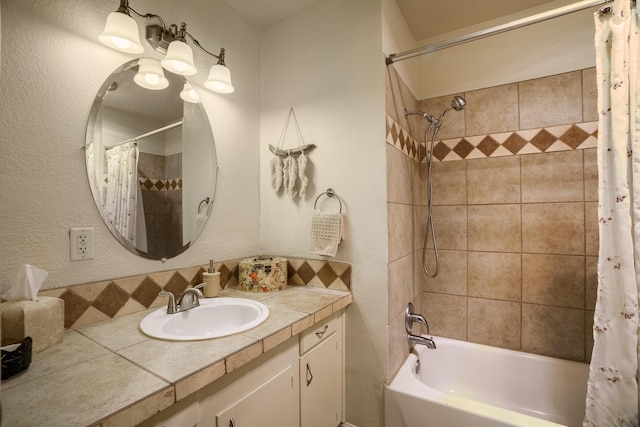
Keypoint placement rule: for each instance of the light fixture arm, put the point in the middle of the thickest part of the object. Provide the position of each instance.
(219, 57)
(124, 7)
(173, 31)
(181, 33)
(142, 15)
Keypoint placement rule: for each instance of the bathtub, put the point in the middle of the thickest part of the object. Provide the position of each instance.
(462, 384)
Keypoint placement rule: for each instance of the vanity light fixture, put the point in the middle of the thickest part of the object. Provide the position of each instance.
(219, 79)
(121, 31)
(119, 34)
(189, 94)
(150, 75)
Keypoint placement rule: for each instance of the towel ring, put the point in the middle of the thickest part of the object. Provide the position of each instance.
(328, 193)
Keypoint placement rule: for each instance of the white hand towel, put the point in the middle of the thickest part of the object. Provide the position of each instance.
(327, 230)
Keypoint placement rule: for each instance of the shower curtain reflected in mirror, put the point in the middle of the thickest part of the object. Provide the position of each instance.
(123, 191)
(612, 395)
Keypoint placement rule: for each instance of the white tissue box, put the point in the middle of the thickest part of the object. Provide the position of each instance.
(42, 320)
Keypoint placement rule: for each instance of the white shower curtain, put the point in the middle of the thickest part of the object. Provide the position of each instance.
(612, 395)
(122, 189)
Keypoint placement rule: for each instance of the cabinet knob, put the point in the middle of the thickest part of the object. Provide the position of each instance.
(319, 334)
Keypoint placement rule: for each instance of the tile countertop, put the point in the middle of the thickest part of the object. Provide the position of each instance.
(111, 374)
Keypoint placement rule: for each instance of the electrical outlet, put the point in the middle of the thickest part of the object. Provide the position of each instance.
(81, 243)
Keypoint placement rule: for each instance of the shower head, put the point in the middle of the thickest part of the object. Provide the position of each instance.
(458, 103)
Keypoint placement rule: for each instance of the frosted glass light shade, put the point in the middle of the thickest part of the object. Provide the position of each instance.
(179, 59)
(150, 75)
(188, 94)
(121, 33)
(219, 79)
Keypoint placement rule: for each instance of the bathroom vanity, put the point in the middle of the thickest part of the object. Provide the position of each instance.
(288, 372)
(298, 383)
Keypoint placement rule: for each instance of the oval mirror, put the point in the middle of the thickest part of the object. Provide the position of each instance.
(151, 160)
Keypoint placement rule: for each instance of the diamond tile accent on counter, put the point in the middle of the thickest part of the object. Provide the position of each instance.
(177, 284)
(111, 299)
(147, 292)
(556, 138)
(74, 306)
(94, 302)
(319, 273)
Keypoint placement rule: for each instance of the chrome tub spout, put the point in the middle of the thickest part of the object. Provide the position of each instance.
(426, 341)
(409, 319)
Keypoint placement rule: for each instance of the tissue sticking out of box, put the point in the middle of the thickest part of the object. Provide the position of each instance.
(26, 284)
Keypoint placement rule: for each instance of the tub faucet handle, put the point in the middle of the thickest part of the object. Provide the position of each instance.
(410, 318)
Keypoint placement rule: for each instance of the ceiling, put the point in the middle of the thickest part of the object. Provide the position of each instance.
(265, 12)
(425, 18)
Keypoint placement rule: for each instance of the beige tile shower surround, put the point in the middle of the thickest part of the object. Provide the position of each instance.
(515, 209)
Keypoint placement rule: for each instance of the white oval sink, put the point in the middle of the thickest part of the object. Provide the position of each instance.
(214, 318)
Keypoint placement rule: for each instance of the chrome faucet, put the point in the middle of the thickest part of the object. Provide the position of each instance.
(417, 339)
(409, 319)
(189, 299)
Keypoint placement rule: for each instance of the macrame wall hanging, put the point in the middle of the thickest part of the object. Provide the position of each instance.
(285, 168)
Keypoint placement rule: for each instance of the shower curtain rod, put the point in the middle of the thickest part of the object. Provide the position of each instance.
(150, 133)
(533, 19)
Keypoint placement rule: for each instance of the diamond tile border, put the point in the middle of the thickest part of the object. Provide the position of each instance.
(402, 140)
(152, 184)
(95, 302)
(530, 141)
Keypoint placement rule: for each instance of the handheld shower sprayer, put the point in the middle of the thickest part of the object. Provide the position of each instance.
(457, 103)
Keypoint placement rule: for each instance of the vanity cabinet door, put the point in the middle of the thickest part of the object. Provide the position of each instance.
(321, 384)
(271, 404)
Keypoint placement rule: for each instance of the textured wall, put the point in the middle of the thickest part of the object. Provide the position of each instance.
(52, 67)
(325, 62)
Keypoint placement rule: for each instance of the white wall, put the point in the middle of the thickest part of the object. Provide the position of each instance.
(398, 38)
(552, 47)
(52, 67)
(325, 61)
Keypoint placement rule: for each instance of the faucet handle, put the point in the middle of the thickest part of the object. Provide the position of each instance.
(171, 305)
(201, 285)
(410, 317)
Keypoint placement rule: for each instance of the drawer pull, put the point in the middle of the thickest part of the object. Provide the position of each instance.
(309, 375)
(232, 423)
(319, 334)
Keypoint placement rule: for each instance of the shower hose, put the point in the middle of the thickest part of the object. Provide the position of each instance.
(430, 229)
